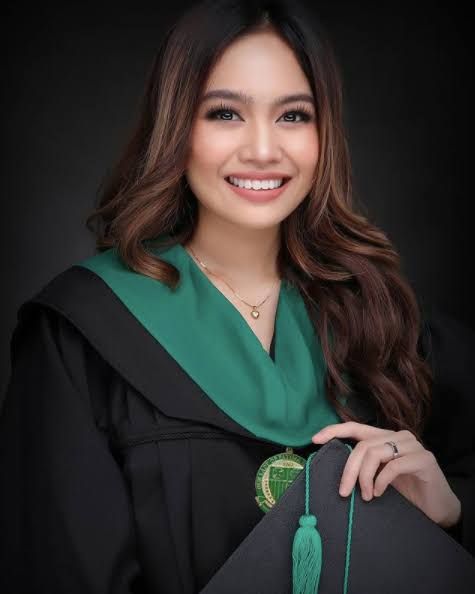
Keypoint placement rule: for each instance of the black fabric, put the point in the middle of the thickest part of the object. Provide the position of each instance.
(118, 474)
(449, 347)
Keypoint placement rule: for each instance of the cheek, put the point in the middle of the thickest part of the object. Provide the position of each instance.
(305, 152)
(209, 150)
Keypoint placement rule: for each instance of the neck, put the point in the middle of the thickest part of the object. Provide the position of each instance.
(246, 258)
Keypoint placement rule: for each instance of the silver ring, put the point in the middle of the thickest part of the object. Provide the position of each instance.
(394, 447)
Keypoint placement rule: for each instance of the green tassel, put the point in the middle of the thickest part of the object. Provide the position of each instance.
(306, 556)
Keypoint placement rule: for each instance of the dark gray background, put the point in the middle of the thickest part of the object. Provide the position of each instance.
(73, 75)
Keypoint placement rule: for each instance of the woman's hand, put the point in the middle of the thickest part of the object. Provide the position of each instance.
(415, 473)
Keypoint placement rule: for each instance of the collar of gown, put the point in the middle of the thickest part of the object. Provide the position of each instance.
(236, 384)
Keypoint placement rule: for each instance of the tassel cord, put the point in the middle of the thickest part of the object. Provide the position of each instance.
(349, 534)
(307, 549)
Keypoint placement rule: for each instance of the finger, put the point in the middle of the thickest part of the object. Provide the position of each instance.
(418, 463)
(353, 465)
(372, 462)
(357, 431)
(366, 458)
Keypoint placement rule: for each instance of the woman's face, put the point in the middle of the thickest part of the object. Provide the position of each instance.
(259, 138)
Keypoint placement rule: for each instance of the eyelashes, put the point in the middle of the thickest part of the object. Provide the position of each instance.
(302, 111)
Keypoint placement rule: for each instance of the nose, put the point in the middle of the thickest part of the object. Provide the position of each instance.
(261, 144)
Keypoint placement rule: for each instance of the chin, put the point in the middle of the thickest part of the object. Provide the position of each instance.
(251, 219)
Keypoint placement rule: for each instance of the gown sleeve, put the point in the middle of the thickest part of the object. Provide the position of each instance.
(449, 346)
(65, 515)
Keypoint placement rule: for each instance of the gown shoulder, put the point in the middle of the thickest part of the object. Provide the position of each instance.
(55, 459)
(448, 345)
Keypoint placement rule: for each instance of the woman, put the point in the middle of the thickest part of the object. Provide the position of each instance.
(238, 308)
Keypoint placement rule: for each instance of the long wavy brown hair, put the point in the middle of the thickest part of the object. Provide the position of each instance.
(364, 310)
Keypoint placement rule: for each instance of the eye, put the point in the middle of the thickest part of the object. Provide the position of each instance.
(227, 112)
(215, 112)
(305, 116)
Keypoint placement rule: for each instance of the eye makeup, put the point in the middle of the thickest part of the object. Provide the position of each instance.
(301, 110)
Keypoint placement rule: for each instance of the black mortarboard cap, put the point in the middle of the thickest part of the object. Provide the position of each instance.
(385, 545)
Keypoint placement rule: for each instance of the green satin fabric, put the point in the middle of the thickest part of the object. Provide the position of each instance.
(283, 400)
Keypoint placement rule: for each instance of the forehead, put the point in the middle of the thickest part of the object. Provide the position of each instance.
(262, 66)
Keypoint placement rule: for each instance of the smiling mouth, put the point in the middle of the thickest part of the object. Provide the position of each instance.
(285, 180)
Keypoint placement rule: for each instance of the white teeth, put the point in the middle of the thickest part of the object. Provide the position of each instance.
(262, 184)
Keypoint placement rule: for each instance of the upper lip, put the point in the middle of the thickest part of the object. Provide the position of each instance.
(259, 175)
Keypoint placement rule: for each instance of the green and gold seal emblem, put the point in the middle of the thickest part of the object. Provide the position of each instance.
(274, 477)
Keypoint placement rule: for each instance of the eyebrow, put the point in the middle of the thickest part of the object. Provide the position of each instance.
(248, 100)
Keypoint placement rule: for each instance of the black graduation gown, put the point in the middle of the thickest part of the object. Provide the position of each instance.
(119, 475)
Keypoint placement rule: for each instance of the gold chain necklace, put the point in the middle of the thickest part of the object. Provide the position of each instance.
(254, 311)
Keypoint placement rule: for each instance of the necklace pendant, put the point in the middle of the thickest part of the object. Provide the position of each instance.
(254, 313)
